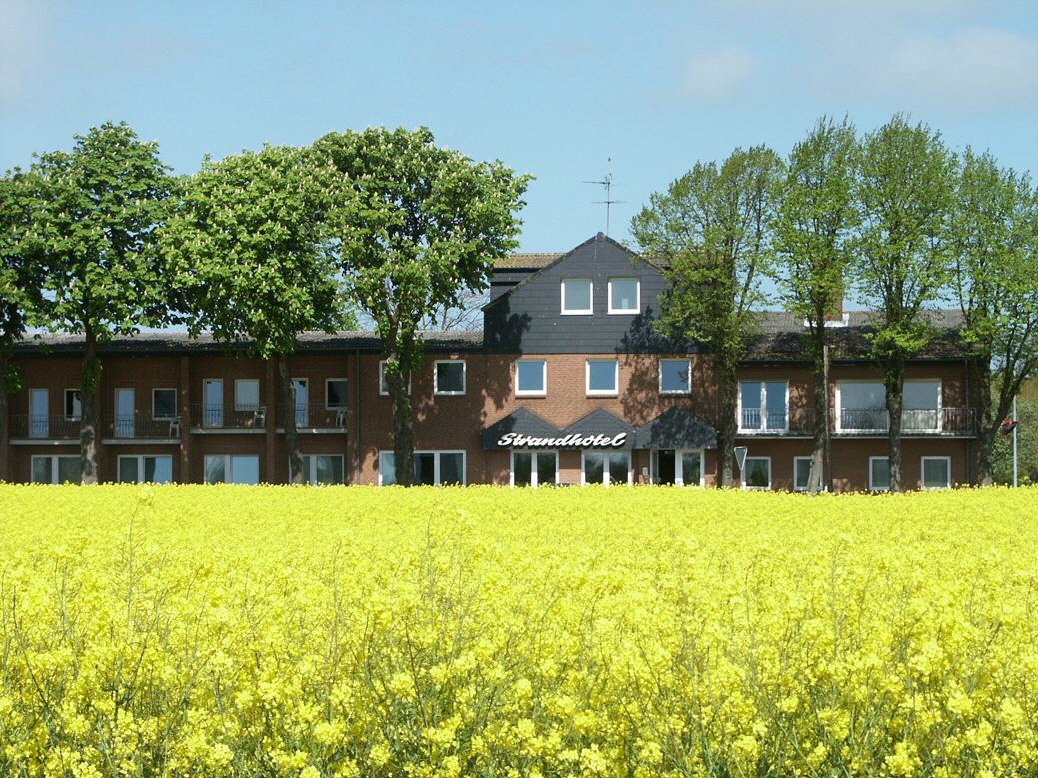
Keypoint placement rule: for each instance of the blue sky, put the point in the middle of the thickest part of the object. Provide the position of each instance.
(552, 89)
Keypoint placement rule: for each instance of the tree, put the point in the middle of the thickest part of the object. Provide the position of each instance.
(711, 228)
(994, 242)
(905, 192)
(95, 215)
(21, 301)
(814, 223)
(248, 240)
(418, 226)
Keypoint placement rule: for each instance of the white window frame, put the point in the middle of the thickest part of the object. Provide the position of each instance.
(771, 476)
(327, 405)
(534, 453)
(838, 421)
(140, 466)
(64, 406)
(764, 428)
(872, 485)
(238, 406)
(606, 479)
(53, 467)
(591, 297)
(922, 473)
(938, 410)
(637, 295)
(436, 377)
(383, 387)
(544, 379)
(688, 367)
(176, 399)
(311, 476)
(228, 467)
(679, 479)
(437, 453)
(602, 392)
(806, 486)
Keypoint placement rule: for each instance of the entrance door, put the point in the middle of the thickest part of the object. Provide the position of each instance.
(681, 468)
(663, 467)
(124, 413)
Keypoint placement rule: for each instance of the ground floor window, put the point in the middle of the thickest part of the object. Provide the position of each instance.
(680, 468)
(801, 473)
(604, 468)
(936, 472)
(56, 469)
(535, 468)
(323, 469)
(879, 474)
(145, 469)
(431, 468)
(757, 473)
(231, 469)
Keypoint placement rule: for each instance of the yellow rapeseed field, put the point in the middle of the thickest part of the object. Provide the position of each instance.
(189, 630)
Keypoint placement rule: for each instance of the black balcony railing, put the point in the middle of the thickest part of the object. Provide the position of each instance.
(137, 426)
(44, 427)
(229, 416)
(312, 416)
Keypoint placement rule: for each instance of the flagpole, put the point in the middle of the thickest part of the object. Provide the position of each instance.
(1015, 428)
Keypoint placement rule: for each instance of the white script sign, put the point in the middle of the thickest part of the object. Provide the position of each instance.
(575, 440)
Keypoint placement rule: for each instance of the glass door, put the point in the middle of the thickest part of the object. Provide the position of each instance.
(39, 407)
(302, 401)
(124, 416)
(212, 411)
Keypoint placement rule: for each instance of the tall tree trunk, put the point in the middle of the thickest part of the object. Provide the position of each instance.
(91, 379)
(288, 393)
(894, 383)
(821, 420)
(987, 423)
(403, 426)
(727, 390)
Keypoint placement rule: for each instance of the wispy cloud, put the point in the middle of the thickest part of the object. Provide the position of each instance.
(717, 73)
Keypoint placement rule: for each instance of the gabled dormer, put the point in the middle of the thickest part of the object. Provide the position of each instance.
(599, 298)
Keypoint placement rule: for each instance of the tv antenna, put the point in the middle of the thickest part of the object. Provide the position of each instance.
(607, 183)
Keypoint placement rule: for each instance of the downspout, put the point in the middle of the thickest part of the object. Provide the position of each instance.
(356, 415)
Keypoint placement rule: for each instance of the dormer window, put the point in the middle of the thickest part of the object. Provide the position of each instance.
(576, 296)
(624, 295)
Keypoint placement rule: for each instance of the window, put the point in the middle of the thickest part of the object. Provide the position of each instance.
(936, 472)
(535, 468)
(757, 473)
(146, 469)
(335, 393)
(56, 469)
(383, 384)
(602, 376)
(246, 394)
(73, 404)
(531, 378)
(879, 474)
(606, 468)
(449, 377)
(677, 468)
(302, 390)
(231, 469)
(212, 413)
(431, 468)
(921, 406)
(862, 406)
(576, 295)
(801, 473)
(675, 376)
(323, 469)
(762, 406)
(163, 403)
(39, 413)
(624, 295)
(125, 413)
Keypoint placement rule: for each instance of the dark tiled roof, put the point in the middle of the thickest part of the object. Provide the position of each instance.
(783, 338)
(526, 261)
(181, 342)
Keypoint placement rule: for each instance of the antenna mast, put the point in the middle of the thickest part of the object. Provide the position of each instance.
(607, 183)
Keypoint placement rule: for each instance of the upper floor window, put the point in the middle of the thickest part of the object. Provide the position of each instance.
(862, 406)
(763, 406)
(246, 394)
(335, 393)
(921, 406)
(73, 404)
(675, 376)
(531, 378)
(163, 403)
(602, 376)
(624, 295)
(576, 295)
(383, 383)
(449, 377)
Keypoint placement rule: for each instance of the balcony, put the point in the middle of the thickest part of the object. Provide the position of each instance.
(914, 421)
(44, 427)
(797, 422)
(221, 417)
(312, 417)
(139, 427)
